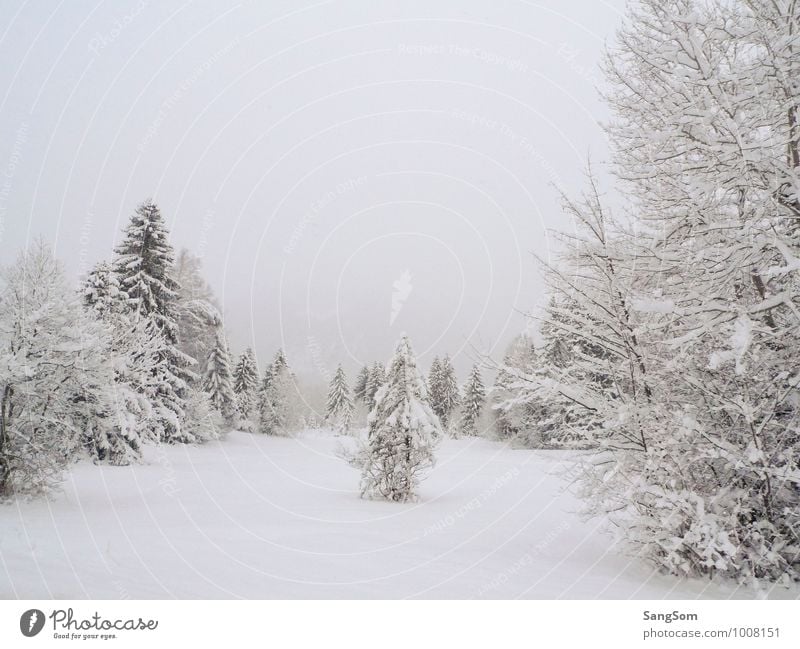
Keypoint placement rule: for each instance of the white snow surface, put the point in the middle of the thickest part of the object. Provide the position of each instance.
(253, 516)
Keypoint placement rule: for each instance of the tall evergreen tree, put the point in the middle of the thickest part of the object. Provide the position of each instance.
(360, 388)
(143, 266)
(474, 398)
(377, 377)
(448, 392)
(403, 432)
(279, 410)
(339, 410)
(245, 386)
(218, 379)
(132, 348)
(435, 385)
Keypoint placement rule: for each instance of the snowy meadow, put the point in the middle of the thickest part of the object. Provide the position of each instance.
(636, 436)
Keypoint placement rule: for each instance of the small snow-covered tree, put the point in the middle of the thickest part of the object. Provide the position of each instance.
(403, 432)
(143, 266)
(339, 411)
(207, 423)
(245, 386)
(472, 404)
(218, 379)
(360, 387)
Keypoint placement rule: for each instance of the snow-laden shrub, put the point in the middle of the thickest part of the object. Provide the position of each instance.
(206, 421)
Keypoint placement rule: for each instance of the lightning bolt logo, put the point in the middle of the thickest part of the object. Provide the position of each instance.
(31, 622)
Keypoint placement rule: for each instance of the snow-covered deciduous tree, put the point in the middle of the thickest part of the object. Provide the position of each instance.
(513, 416)
(245, 386)
(472, 403)
(143, 267)
(403, 432)
(55, 378)
(712, 160)
(218, 379)
(681, 324)
(360, 387)
(339, 410)
(197, 312)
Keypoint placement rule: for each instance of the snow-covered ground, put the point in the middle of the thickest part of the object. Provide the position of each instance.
(260, 517)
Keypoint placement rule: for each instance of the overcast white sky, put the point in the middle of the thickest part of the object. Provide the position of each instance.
(348, 170)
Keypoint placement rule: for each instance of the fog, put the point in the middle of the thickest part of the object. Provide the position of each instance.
(347, 170)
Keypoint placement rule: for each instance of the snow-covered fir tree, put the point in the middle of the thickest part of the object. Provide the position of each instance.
(132, 347)
(101, 291)
(473, 402)
(339, 409)
(143, 266)
(448, 396)
(403, 432)
(245, 386)
(360, 387)
(377, 377)
(443, 389)
(434, 384)
(280, 408)
(218, 379)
